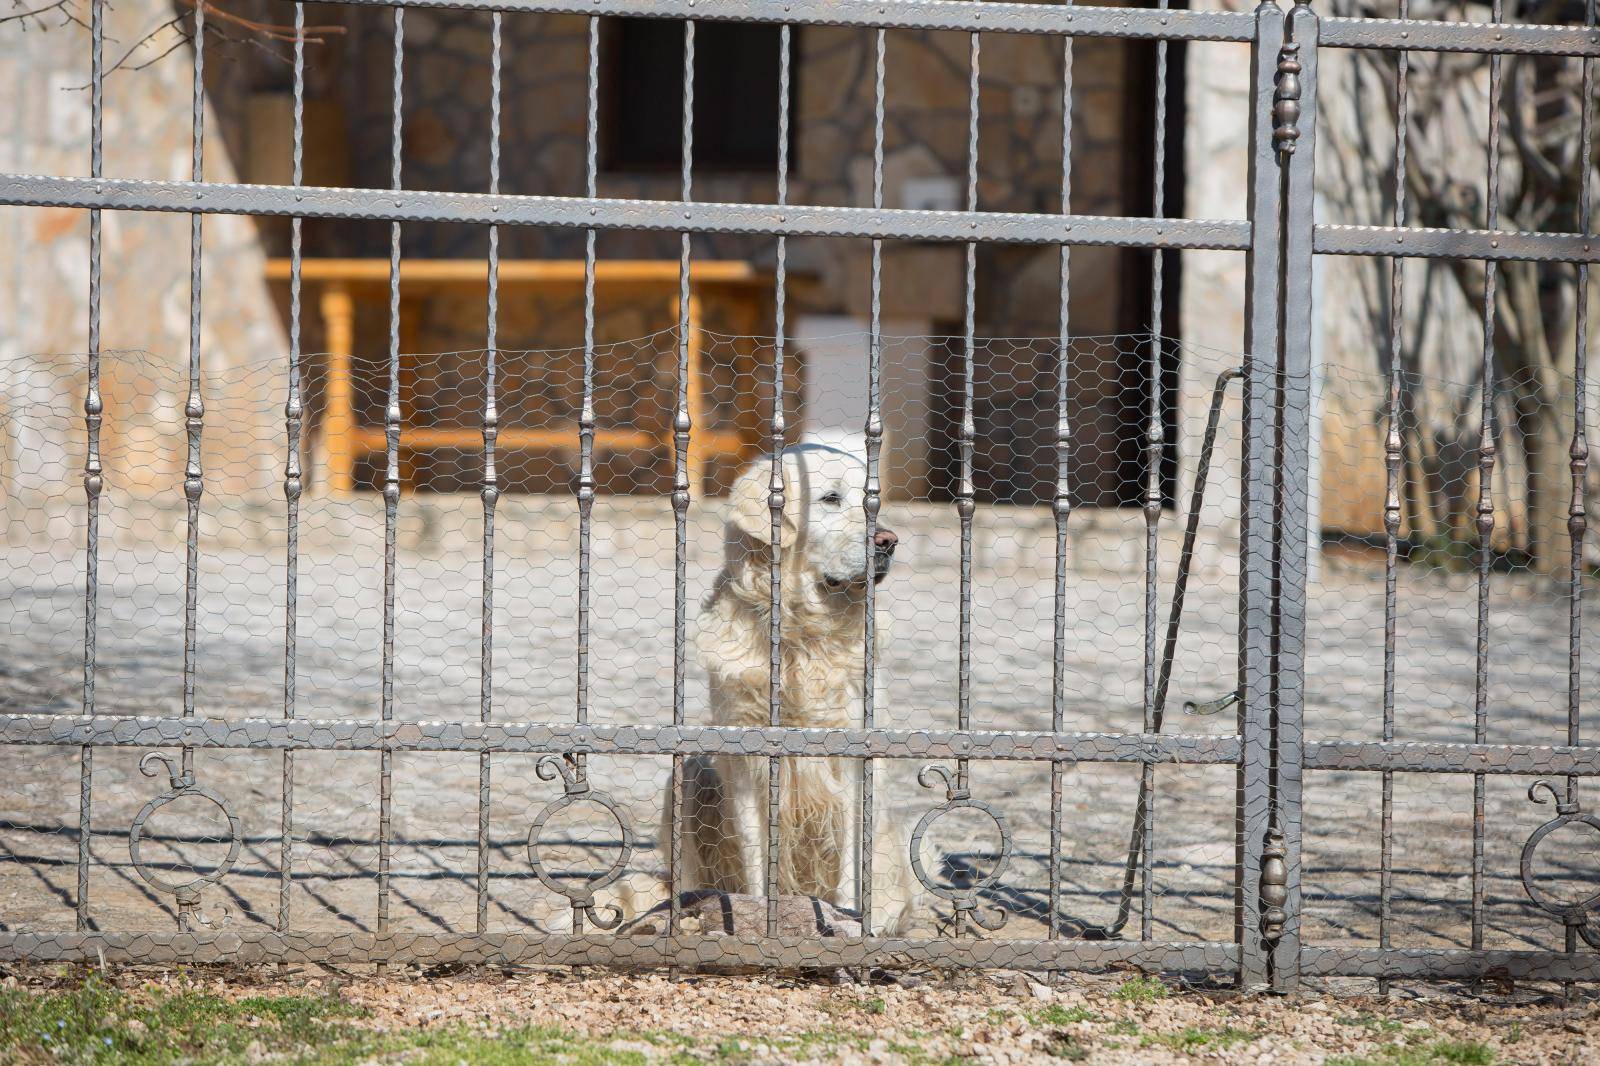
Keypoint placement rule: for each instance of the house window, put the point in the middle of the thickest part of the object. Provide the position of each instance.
(735, 96)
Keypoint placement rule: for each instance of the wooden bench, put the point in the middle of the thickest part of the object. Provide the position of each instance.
(744, 293)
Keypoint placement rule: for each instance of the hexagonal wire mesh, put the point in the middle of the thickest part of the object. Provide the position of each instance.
(598, 831)
(1042, 646)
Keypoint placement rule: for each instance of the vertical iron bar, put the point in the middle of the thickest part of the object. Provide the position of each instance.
(194, 410)
(966, 505)
(872, 501)
(586, 420)
(1392, 446)
(775, 498)
(293, 413)
(93, 481)
(1062, 502)
(491, 481)
(1485, 523)
(1262, 302)
(1141, 853)
(391, 488)
(681, 429)
(1294, 478)
(1154, 438)
(1578, 515)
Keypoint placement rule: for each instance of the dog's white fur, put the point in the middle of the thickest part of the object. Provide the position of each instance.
(825, 568)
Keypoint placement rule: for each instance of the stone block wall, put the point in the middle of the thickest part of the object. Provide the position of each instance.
(44, 279)
(445, 146)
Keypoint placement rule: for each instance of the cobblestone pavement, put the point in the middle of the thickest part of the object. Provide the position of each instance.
(240, 673)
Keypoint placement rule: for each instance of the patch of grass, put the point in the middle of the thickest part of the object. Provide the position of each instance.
(918, 1055)
(1370, 1021)
(732, 1051)
(1055, 1014)
(1142, 990)
(1437, 1053)
(1464, 1052)
(1126, 1027)
(540, 1045)
(1195, 1039)
(97, 1023)
(875, 1005)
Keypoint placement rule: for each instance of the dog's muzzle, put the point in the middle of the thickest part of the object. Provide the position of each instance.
(883, 545)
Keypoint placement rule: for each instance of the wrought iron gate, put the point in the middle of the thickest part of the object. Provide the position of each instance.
(1267, 750)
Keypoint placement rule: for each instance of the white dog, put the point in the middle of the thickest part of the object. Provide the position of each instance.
(826, 568)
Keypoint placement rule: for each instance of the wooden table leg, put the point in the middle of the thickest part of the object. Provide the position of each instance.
(698, 450)
(338, 424)
(410, 327)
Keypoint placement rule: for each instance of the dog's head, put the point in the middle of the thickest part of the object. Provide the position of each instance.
(824, 528)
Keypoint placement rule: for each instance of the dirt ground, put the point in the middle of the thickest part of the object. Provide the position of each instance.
(320, 1015)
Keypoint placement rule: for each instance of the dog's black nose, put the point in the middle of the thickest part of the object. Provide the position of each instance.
(884, 540)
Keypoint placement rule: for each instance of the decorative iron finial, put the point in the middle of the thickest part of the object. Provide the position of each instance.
(1286, 101)
(1274, 884)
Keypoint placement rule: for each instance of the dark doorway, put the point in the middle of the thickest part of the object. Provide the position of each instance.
(735, 95)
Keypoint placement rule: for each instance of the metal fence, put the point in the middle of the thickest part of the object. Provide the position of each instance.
(1257, 615)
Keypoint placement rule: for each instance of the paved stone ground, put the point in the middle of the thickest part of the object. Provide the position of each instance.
(240, 672)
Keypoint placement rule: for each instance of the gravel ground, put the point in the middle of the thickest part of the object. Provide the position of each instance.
(990, 1018)
(240, 670)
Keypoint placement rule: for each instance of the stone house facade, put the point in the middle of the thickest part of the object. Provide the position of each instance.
(446, 146)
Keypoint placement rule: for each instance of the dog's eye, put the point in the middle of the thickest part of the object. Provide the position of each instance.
(833, 499)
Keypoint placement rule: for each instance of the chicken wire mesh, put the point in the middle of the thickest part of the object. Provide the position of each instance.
(1398, 871)
(552, 832)
(1400, 858)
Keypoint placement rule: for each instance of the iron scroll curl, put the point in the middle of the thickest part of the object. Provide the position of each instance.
(1574, 915)
(959, 797)
(182, 784)
(576, 790)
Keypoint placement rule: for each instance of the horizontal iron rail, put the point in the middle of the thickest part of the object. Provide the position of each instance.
(1152, 23)
(343, 734)
(768, 219)
(576, 212)
(895, 14)
(1415, 757)
(1455, 244)
(535, 949)
(1448, 962)
(1416, 35)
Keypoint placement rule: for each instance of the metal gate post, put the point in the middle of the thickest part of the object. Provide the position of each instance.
(1263, 307)
(1295, 134)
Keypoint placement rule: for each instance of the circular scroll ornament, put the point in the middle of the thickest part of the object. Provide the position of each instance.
(181, 785)
(1573, 914)
(965, 898)
(576, 791)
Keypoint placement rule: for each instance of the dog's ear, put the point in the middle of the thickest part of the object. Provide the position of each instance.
(751, 500)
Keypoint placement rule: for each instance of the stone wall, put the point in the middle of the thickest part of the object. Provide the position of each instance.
(44, 277)
(446, 146)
